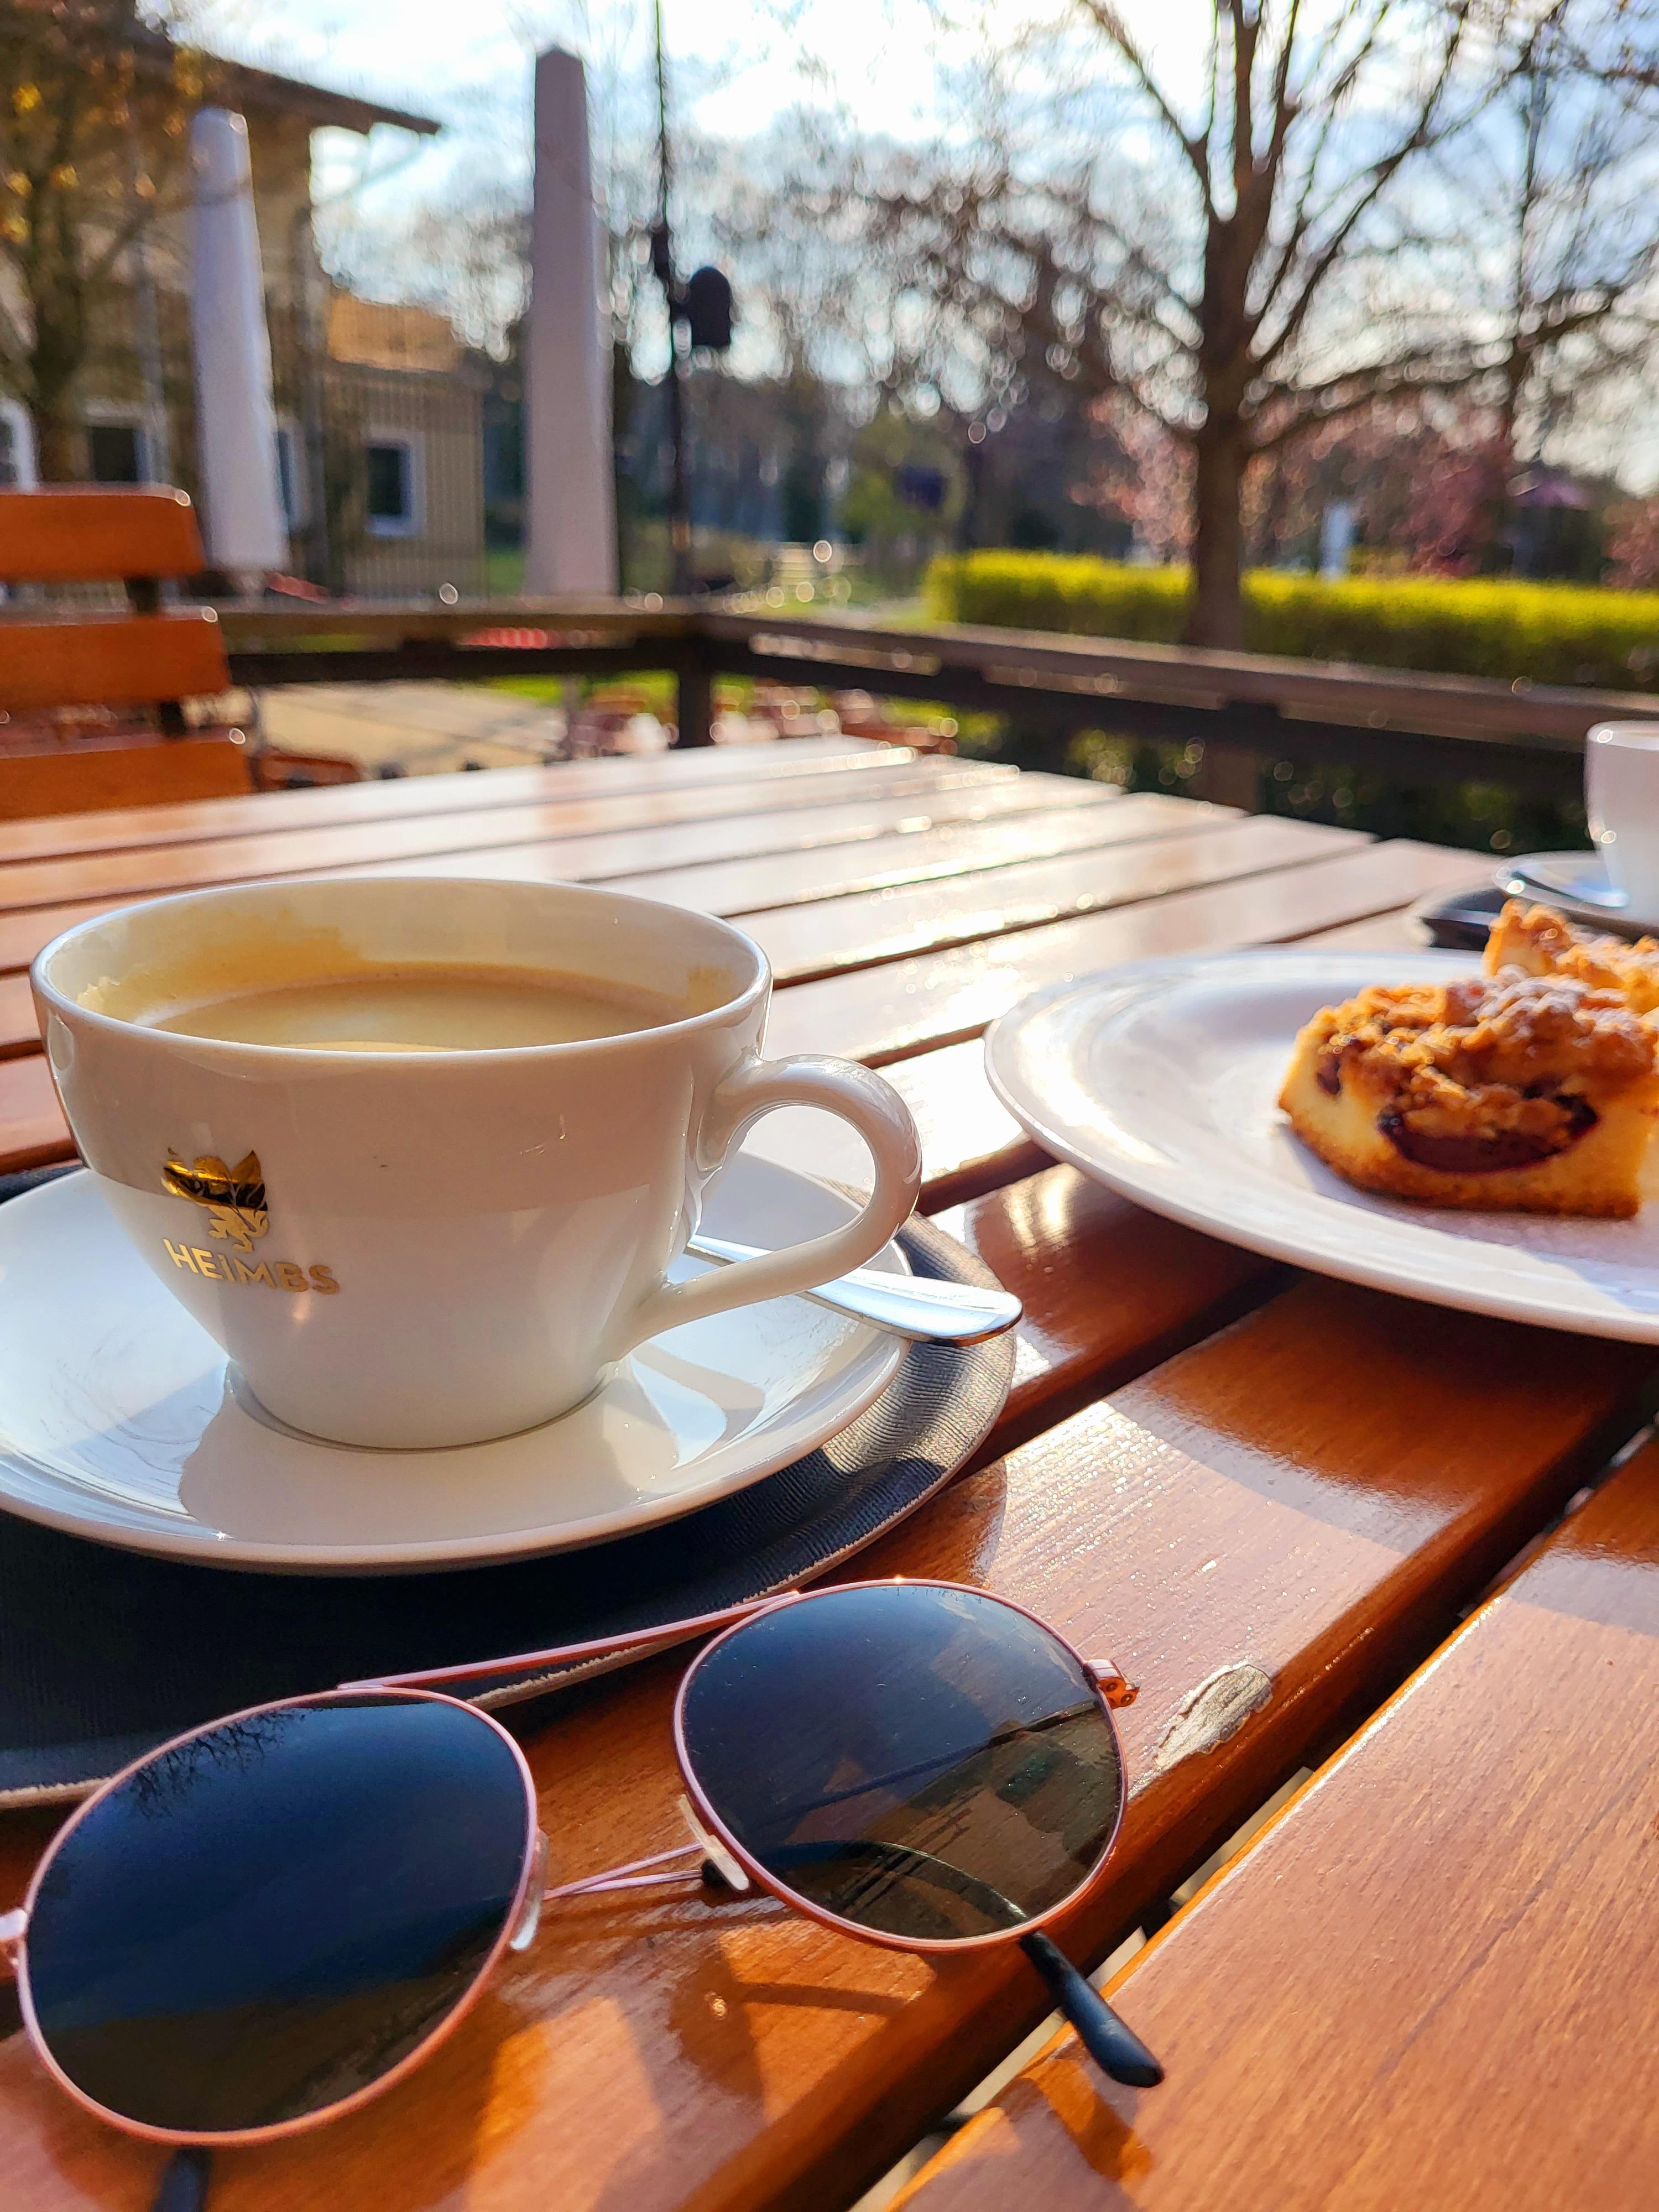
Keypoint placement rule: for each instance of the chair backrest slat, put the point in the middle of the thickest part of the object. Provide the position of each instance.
(118, 661)
(84, 534)
(85, 778)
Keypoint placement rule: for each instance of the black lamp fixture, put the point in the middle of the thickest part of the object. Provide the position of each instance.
(702, 306)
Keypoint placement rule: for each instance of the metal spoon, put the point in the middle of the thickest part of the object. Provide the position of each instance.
(916, 1306)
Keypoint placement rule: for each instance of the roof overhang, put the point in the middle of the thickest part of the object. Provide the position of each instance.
(245, 86)
(239, 84)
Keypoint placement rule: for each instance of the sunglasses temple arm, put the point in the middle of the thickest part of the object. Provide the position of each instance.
(1114, 1688)
(1110, 2042)
(185, 2181)
(563, 1655)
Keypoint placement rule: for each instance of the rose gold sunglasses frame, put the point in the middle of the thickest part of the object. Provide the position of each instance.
(519, 1925)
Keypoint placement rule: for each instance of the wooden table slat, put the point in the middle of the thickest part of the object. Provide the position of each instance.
(33, 1131)
(390, 799)
(885, 1013)
(1434, 1980)
(805, 944)
(599, 856)
(18, 1032)
(1108, 1289)
(294, 852)
(970, 1143)
(771, 880)
(1308, 1495)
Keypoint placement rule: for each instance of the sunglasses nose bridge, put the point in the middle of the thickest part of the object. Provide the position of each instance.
(530, 1912)
(733, 1876)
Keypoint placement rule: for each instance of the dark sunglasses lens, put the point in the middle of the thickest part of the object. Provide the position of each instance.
(928, 1763)
(268, 1917)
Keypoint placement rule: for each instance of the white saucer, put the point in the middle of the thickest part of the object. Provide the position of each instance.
(1161, 1077)
(1578, 884)
(120, 1422)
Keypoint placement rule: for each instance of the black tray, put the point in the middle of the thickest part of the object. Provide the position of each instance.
(106, 1653)
(1460, 922)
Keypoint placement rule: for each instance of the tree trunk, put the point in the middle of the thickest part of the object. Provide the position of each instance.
(1216, 615)
(55, 289)
(1495, 555)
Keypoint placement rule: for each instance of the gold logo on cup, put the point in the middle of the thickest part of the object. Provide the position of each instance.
(234, 1199)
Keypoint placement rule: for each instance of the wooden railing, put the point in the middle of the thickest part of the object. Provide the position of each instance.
(1245, 708)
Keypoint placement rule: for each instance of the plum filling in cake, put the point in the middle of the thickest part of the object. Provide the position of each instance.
(1487, 1153)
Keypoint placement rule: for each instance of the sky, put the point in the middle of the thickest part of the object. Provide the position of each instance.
(734, 64)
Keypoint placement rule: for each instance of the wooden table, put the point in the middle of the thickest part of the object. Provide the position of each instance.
(1269, 1497)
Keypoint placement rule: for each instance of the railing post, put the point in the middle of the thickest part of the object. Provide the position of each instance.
(1041, 730)
(1230, 775)
(696, 710)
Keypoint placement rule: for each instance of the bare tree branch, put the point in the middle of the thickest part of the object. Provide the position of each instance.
(1195, 149)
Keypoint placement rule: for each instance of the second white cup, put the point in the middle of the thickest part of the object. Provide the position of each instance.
(1621, 795)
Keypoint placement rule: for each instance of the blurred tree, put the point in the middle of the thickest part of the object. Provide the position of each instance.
(1306, 219)
(1560, 172)
(1145, 476)
(95, 104)
(1213, 288)
(1415, 474)
(905, 493)
(1634, 547)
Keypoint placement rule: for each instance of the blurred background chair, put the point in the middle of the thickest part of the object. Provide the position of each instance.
(93, 694)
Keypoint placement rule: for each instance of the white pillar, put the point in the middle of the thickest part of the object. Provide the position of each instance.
(235, 422)
(1336, 533)
(572, 537)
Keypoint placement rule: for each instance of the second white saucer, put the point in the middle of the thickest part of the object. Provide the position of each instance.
(1578, 884)
(118, 1420)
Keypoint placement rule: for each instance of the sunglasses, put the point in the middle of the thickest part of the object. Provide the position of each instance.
(267, 1922)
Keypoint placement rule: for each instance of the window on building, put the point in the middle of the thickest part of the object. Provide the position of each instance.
(291, 475)
(393, 487)
(16, 448)
(115, 451)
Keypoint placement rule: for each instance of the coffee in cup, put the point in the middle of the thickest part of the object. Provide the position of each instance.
(431, 1005)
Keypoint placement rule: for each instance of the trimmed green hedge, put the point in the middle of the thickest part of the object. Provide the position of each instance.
(1550, 633)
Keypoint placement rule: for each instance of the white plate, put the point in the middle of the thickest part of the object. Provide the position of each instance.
(118, 1420)
(1161, 1077)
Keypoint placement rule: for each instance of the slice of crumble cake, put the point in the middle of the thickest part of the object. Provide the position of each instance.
(1530, 1093)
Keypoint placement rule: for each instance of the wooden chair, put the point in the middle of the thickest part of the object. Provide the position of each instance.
(287, 771)
(149, 659)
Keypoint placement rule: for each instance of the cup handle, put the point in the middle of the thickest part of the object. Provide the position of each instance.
(842, 1087)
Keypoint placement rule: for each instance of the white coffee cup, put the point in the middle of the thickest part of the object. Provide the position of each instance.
(1621, 794)
(436, 1248)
